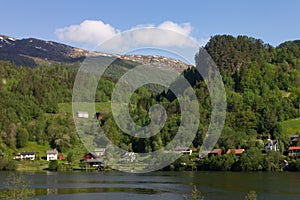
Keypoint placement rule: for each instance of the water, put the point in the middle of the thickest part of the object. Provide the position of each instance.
(161, 185)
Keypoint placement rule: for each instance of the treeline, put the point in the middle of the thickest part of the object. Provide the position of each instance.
(262, 88)
(251, 160)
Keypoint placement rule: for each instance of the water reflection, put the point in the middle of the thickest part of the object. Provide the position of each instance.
(161, 185)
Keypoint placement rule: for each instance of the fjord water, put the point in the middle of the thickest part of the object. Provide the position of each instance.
(161, 185)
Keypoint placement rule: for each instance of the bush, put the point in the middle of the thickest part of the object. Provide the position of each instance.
(3, 163)
(271, 161)
(11, 165)
(53, 165)
(294, 165)
(8, 165)
(251, 160)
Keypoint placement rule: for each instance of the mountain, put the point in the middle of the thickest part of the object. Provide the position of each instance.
(33, 52)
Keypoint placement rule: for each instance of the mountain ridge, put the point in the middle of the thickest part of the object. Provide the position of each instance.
(33, 52)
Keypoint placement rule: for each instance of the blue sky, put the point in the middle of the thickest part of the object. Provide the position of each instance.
(272, 21)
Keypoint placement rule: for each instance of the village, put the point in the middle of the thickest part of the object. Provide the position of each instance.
(96, 160)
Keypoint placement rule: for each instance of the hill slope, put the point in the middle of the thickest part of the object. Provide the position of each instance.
(262, 88)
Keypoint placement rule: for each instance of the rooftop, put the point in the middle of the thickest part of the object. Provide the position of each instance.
(100, 149)
(81, 112)
(27, 153)
(54, 151)
(235, 151)
(294, 148)
(182, 148)
(216, 151)
(94, 160)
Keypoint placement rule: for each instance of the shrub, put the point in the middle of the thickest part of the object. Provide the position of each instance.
(53, 165)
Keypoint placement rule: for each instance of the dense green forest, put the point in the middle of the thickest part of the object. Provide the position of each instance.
(262, 86)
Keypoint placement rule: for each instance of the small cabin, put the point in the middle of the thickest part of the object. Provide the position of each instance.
(214, 152)
(28, 155)
(183, 150)
(97, 163)
(52, 154)
(82, 114)
(129, 157)
(294, 151)
(99, 152)
(90, 156)
(93, 161)
(236, 152)
(294, 139)
(25, 155)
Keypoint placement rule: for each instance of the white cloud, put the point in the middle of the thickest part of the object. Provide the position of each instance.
(94, 32)
(184, 29)
(89, 32)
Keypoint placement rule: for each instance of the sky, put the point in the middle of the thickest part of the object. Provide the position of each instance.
(86, 23)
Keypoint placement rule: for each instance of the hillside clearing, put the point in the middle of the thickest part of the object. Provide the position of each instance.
(291, 127)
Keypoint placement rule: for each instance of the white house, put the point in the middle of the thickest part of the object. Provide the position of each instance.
(271, 145)
(82, 114)
(183, 150)
(52, 154)
(25, 155)
(129, 157)
(99, 152)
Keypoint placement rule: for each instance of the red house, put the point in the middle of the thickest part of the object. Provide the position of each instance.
(89, 156)
(237, 152)
(93, 161)
(294, 151)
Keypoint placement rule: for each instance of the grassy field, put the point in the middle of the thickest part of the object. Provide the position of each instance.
(291, 127)
(28, 165)
(38, 149)
(41, 163)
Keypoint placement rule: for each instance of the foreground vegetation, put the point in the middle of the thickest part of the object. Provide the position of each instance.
(263, 98)
(16, 187)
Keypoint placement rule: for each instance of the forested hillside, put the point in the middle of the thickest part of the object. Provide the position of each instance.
(262, 83)
(262, 87)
